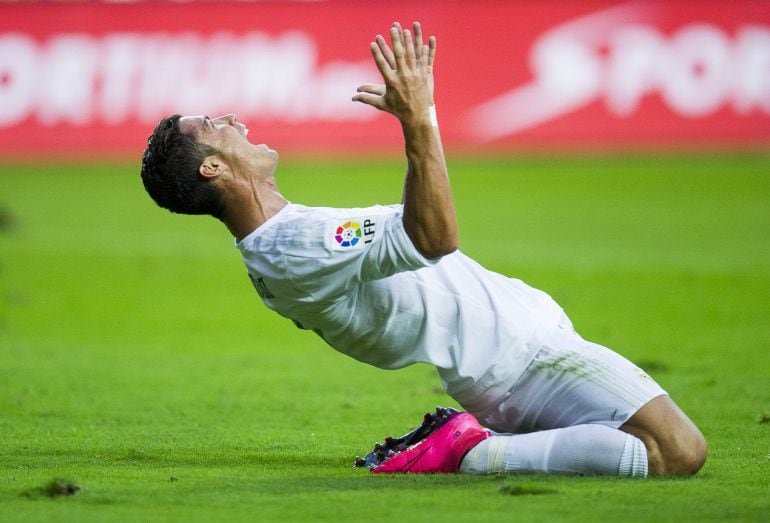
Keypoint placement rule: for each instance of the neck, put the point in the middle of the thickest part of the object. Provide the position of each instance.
(250, 206)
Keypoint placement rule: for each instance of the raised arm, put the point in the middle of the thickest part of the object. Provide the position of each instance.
(407, 70)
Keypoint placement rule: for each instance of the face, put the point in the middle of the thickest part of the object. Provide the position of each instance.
(228, 135)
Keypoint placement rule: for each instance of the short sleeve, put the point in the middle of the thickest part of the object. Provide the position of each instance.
(359, 245)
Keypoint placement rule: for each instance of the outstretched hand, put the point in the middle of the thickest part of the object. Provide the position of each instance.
(407, 70)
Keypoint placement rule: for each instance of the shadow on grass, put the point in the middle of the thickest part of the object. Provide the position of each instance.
(8, 221)
(55, 488)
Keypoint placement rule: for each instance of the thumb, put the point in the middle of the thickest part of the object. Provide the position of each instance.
(370, 99)
(372, 89)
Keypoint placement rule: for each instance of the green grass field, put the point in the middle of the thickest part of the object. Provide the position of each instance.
(138, 363)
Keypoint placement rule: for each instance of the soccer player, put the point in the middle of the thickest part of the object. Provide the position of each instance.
(388, 286)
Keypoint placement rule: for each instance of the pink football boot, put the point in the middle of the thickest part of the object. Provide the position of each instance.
(437, 446)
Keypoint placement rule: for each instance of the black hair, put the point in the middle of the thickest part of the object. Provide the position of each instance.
(170, 171)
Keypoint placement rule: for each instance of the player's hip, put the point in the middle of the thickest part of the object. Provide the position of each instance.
(569, 381)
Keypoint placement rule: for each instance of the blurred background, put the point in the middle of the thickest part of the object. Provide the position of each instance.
(93, 78)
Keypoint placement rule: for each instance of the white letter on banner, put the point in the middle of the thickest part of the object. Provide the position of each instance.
(118, 70)
(632, 69)
(18, 77)
(276, 75)
(752, 75)
(209, 79)
(695, 72)
(167, 63)
(220, 76)
(67, 83)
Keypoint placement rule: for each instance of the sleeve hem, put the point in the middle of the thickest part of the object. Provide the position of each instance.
(414, 256)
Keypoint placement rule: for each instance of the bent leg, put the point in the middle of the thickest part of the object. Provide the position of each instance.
(674, 444)
(572, 382)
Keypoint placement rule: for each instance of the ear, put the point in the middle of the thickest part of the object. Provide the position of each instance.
(212, 167)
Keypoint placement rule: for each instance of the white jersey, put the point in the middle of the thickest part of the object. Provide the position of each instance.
(354, 277)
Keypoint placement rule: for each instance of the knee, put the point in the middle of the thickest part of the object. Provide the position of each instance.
(675, 446)
(691, 456)
(688, 458)
(681, 454)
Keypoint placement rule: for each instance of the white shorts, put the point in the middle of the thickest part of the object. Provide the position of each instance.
(570, 382)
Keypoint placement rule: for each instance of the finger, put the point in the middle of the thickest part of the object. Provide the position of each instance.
(398, 45)
(372, 89)
(422, 59)
(401, 32)
(370, 99)
(379, 59)
(409, 50)
(397, 25)
(417, 39)
(431, 50)
(386, 51)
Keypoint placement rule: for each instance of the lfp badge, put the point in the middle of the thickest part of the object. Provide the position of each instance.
(353, 234)
(348, 234)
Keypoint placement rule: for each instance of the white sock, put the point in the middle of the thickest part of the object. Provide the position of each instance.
(584, 449)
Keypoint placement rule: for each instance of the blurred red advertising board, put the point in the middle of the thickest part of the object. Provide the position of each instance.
(93, 77)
